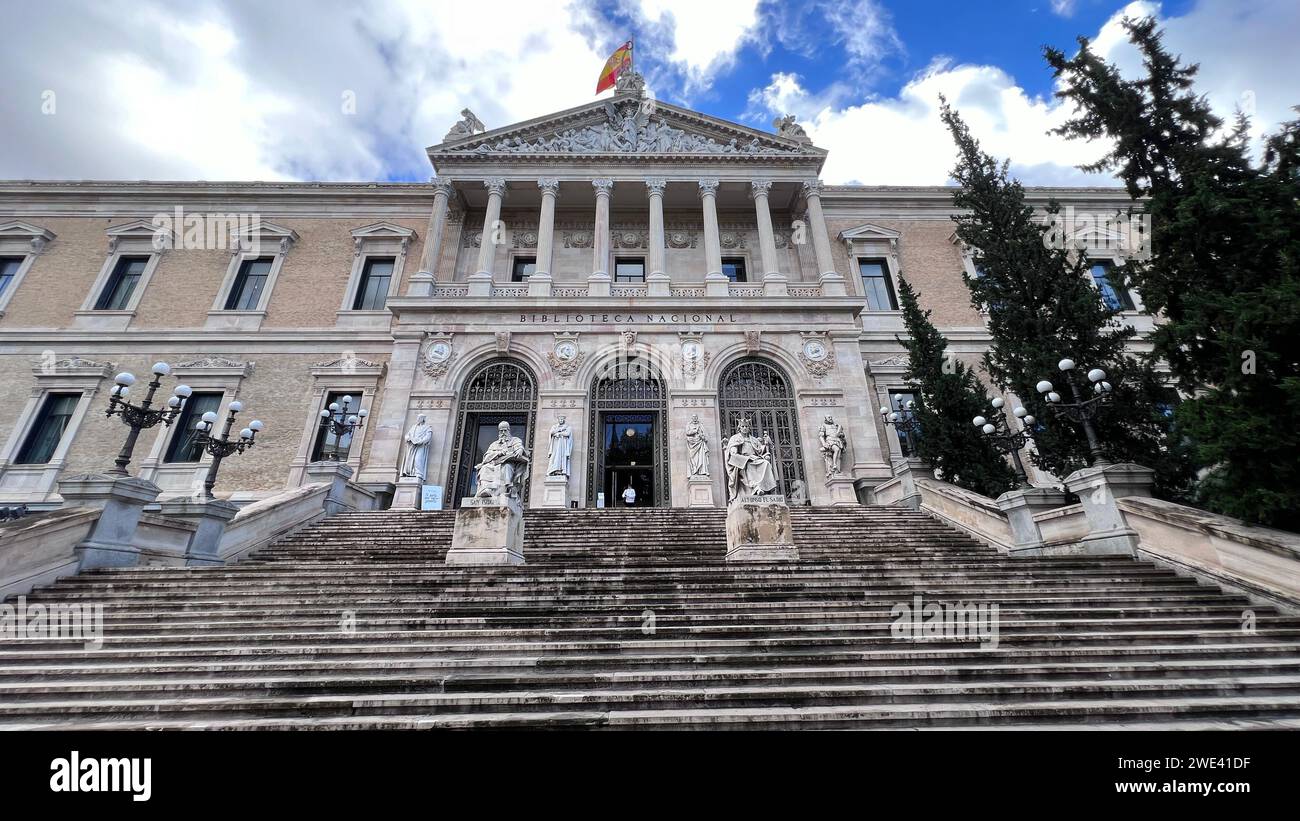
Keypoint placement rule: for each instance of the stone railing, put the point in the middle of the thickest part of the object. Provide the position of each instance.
(618, 290)
(40, 548)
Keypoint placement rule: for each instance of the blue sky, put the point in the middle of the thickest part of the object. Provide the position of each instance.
(247, 89)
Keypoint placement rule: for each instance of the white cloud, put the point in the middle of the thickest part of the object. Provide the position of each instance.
(1064, 8)
(706, 33)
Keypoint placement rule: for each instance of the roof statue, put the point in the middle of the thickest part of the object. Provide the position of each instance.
(788, 128)
(468, 126)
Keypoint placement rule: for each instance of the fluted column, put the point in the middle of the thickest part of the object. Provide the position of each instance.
(422, 282)
(831, 281)
(539, 284)
(598, 282)
(715, 282)
(774, 282)
(658, 283)
(480, 282)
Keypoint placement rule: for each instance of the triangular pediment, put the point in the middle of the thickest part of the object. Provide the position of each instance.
(630, 125)
(869, 232)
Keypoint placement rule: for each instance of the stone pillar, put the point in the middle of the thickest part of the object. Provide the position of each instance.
(423, 281)
(1098, 488)
(1020, 507)
(598, 282)
(906, 471)
(120, 501)
(758, 530)
(388, 425)
(212, 516)
(488, 532)
(336, 475)
(831, 281)
(715, 282)
(480, 282)
(774, 282)
(539, 284)
(658, 282)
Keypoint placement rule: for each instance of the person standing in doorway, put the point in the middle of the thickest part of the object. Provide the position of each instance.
(629, 497)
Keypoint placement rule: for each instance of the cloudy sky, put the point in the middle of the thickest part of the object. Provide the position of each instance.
(355, 89)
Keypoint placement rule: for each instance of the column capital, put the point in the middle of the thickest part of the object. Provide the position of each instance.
(548, 185)
(759, 188)
(655, 185)
(603, 185)
(709, 188)
(441, 185)
(495, 185)
(813, 188)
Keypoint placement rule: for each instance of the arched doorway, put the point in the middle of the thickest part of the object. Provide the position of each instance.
(502, 390)
(628, 443)
(759, 391)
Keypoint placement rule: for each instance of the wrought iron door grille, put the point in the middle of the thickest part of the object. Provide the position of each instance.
(759, 391)
(501, 387)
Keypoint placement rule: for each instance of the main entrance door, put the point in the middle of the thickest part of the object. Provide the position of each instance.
(629, 436)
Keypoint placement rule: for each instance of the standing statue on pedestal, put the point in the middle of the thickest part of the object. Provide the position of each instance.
(751, 467)
(697, 448)
(561, 449)
(504, 466)
(833, 442)
(417, 449)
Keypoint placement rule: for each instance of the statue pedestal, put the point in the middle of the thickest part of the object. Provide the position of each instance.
(699, 491)
(842, 491)
(488, 532)
(758, 530)
(406, 496)
(120, 501)
(555, 491)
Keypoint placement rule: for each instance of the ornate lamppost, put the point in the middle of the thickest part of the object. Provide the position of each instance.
(220, 448)
(338, 420)
(1080, 410)
(144, 415)
(997, 430)
(904, 419)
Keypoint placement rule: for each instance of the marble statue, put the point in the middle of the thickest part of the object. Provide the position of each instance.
(751, 463)
(417, 440)
(468, 126)
(504, 466)
(833, 442)
(561, 449)
(788, 128)
(697, 448)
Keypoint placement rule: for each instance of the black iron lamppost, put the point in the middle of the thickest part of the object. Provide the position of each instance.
(340, 421)
(144, 415)
(220, 448)
(904, 419)
(1081, 410)
(997, 430)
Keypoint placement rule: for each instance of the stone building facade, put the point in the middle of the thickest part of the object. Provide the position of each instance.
(627, 264)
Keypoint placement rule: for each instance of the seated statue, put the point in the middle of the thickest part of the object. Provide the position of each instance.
(504, 467)
(751, 464)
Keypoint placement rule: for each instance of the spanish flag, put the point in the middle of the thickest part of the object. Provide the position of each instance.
(614, 66)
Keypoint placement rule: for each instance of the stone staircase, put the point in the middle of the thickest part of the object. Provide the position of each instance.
(631, 619)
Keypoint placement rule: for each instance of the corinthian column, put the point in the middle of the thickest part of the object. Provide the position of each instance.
(422, 283)
(715, 282)
(598, 282)
(831, 281)
(539, 284)
(658, 283)
(480, 282)
(774, 282)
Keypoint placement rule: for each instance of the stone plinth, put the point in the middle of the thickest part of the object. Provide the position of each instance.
(906, 470)
(120, 502)
(555, 491)
(406, 496)
(699, 491)
(1098, 488)
(758, 530)
(335, 474)
(1020, 507)
(488, 532)
(211, 516)
(842, 491)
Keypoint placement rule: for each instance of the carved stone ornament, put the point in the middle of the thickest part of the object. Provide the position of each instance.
(437, 355)
(694, 358)
(681, 239)
(565, 358)
(578, 239)
(816, 355)
(468, 126)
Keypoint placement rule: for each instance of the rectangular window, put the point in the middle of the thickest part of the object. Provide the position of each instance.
(734, 268)
(1111, 285)
(185, 445)
(629, 269)
(8, 270)
(246, 291)
(121, 284)
(523, 268)
(372, 290)
(877, 285)
(329, 446)
(51, 421)
(906, 441)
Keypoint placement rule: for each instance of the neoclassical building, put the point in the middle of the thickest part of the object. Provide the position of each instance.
(628, 264)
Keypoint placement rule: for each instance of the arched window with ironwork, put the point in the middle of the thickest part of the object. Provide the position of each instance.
(758, 390)
(501, 390)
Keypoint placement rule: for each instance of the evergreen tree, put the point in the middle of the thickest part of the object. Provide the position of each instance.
(1042, 307)
(948, 396)
(1224, 272)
